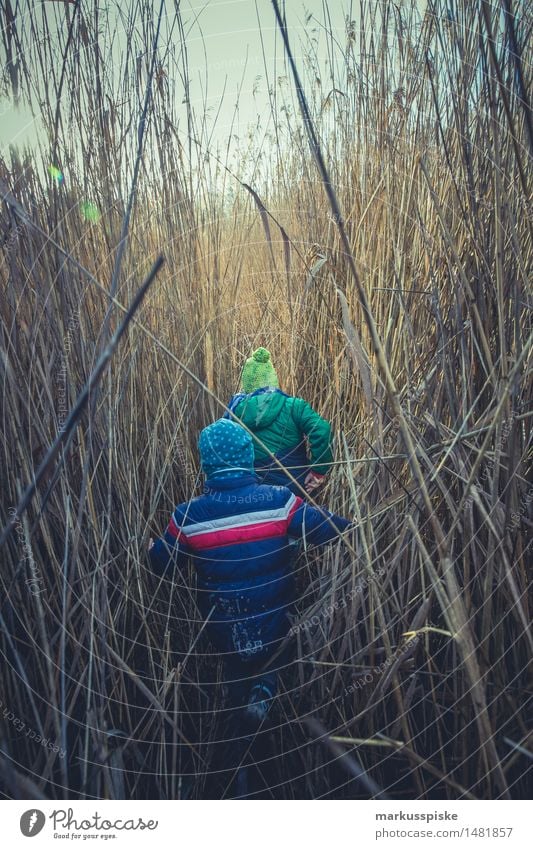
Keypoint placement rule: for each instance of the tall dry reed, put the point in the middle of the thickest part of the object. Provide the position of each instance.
(415, 665)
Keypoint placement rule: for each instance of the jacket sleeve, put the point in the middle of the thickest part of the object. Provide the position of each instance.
(170, 550)
(318, 432)
(317, 525)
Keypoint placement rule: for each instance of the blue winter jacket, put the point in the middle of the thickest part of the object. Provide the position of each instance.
(238, 534)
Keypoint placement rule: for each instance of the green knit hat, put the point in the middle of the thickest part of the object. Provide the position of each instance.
(258, 371)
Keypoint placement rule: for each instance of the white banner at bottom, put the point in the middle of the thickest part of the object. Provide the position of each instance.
(262, 824)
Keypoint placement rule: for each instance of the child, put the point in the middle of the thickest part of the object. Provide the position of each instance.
(238, 535)
(282, 423)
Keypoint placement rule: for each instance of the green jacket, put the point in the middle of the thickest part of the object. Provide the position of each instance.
(282, 422)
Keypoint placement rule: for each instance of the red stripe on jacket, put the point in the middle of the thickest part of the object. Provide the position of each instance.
(244, 533)
(176, 532)
(298, 503)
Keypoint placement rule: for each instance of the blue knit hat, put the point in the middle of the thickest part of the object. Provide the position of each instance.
(226, 450)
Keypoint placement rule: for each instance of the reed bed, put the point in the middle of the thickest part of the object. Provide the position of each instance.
(412, 643)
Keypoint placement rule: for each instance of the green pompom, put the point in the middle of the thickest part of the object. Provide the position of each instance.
(261, 355)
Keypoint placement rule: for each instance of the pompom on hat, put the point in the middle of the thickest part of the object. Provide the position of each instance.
(258, 372)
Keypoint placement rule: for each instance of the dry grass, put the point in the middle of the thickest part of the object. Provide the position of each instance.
(430, 159)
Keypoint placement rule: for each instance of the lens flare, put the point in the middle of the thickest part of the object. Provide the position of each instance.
(90, 211)
(55, 173)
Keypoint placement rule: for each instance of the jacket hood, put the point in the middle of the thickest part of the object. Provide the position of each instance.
(259, 411)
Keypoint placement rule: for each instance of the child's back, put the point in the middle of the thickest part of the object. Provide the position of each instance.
(238, 535)
(282, 424)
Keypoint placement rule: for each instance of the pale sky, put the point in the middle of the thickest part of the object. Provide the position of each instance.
(235, 53)
(224, 51)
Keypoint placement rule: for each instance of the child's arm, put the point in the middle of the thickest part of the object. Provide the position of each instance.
(317, 525)
(170, 550)
(318, 432)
